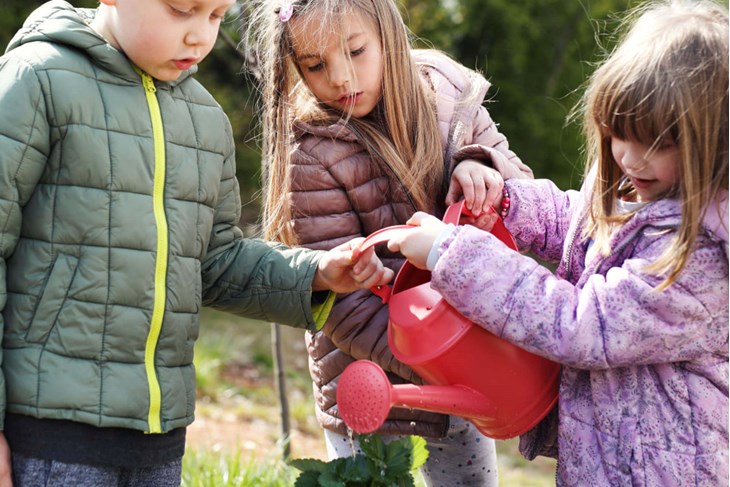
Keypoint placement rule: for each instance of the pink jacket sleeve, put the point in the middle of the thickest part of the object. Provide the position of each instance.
(489, 144)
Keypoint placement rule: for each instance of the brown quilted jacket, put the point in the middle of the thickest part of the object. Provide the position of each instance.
(340, 192)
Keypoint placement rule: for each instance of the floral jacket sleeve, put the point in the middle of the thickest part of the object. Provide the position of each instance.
(610, 315)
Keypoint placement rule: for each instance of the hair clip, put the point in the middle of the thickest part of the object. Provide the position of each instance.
(286, 10)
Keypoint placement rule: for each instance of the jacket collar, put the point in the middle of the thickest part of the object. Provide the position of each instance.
(338, 130)
(667, 213)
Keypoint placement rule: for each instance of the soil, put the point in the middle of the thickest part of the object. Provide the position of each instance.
(221, 426)
(254, 438)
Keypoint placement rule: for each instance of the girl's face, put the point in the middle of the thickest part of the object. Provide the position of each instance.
(653, 172)
(343, 69)
(162, 37)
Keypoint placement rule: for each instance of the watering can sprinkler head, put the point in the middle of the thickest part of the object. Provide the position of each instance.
(365, 396)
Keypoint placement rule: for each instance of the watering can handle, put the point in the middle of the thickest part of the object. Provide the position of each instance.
(382, 235)
(456, 210)
(452, 215)
(378, 237)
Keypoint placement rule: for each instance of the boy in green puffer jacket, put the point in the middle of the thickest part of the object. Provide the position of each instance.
(119, 209)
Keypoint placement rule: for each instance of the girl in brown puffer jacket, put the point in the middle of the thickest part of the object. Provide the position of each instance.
(360, 131)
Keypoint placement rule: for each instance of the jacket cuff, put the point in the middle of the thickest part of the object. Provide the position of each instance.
(436, 250)
(321, 308)
(493, 158)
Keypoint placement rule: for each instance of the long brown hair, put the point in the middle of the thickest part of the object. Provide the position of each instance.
(666, 80)
(403, 129)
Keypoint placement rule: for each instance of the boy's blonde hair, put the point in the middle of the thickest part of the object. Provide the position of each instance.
(666, 80)
(401, 133)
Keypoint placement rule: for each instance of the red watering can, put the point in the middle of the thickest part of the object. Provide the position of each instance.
(500, 388)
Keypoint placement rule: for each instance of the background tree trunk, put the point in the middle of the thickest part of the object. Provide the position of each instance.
(280, 383)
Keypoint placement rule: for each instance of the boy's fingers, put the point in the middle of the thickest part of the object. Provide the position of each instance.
(388, 275)
(355, 244)
(362, 259)
(380, 277)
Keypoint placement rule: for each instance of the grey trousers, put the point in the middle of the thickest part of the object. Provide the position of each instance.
(36, 472)
(464, 457)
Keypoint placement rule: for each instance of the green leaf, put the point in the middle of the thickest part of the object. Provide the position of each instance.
(379, 465)
(354, 469)
(331, 479)
(398, 458)
(372, 446)
(309, 465)
(419, 452)
(406, 481)
(307, 479)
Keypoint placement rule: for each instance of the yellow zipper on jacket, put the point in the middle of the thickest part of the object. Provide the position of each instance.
(158, 308)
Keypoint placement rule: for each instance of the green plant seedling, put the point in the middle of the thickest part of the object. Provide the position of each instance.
(379, 465)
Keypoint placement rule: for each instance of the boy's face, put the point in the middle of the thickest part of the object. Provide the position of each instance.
(162, 37)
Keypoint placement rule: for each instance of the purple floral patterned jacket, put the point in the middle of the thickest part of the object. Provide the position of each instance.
(644, 386)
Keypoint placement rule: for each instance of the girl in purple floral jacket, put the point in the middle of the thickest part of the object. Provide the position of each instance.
(637, 310)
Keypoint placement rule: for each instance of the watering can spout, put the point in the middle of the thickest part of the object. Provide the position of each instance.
(365, 396)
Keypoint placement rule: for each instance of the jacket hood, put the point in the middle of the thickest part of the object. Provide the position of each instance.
(58, 22)
(715, 220)
(667, 213)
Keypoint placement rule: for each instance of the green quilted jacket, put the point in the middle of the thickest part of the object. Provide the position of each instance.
(118, 221)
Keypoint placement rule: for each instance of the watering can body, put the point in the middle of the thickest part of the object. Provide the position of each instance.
(500, 388)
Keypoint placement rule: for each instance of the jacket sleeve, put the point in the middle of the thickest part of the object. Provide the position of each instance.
(252, 277)
(24, 150)
(539, 216)
(325, 216)
(615, 319)
(488, 144)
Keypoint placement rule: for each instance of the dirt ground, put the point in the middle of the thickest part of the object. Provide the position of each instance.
(253, 438)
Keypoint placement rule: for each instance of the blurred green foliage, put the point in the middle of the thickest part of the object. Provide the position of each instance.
(536, 54)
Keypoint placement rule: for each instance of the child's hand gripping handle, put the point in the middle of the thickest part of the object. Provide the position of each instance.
(455, 211)
(452, 215)
(378, 237)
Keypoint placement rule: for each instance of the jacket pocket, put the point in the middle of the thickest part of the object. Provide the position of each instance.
(53, 298)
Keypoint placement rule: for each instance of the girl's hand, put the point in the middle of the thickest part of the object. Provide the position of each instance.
(480, 185)
(485, 221)
(345, 269)
(415, 244)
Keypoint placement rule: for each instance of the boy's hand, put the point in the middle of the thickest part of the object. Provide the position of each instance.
(6, 479)
(415, 244)
(345, 269)
(480, 185)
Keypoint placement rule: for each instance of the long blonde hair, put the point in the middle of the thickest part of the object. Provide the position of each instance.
(667, 79)
(402, 131)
